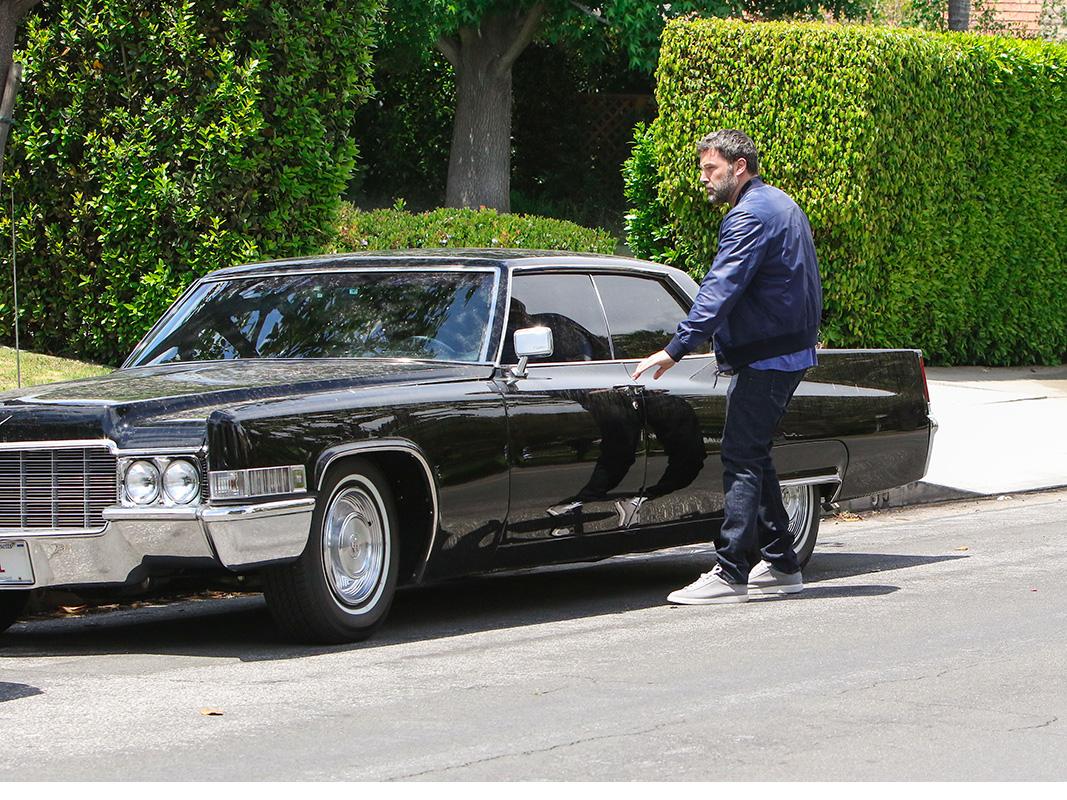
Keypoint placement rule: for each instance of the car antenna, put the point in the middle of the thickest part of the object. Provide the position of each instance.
(15, 285)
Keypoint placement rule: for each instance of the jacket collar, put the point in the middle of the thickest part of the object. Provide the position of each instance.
(753, 181)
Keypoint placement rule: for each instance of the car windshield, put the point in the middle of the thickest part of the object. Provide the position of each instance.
(373, 314)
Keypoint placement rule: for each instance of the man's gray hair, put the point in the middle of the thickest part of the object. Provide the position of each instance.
(731, 145)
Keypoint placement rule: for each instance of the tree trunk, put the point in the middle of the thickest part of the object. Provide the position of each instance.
(11, 11)
(479, 164)
(959, 15)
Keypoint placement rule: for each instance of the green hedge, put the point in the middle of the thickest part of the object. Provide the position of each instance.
(933, 168)
(157, 141)
(394, 229)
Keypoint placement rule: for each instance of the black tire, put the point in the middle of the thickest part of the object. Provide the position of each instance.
(342, 586)
(12, 604)
(803, 519)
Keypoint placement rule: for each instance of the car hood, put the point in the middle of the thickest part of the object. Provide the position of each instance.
(256, 379)
(181, 396)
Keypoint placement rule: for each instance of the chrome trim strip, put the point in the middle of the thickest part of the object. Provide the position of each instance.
(492, 314)
(44, 533)
(68, 444)
(388, 445)
(686, 357)
(156, 513)
(60, 444)
(604, 314)
(930, 444)
(817, 480)
(813, 479)
(606, 270)
(135, 353)
(257, 510)
(340, 270)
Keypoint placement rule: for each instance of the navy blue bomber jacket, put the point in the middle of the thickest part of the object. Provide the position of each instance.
(762, 296)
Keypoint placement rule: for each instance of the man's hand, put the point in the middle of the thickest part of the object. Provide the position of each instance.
(661, 361)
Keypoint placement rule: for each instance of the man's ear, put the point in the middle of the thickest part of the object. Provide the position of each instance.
(741, 162)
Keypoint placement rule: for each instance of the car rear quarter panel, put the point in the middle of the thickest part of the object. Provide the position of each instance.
(872, 401)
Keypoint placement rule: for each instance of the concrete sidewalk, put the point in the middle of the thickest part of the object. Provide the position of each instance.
(1001, 430)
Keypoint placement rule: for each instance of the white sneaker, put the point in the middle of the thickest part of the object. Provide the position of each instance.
(765, 579)
(709, 589)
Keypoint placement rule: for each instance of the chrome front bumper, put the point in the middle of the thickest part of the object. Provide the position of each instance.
(236, 537)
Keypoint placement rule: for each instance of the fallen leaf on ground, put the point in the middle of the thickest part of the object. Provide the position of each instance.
(211, 712)
(963, 548)
(73, 609)
(847, 516)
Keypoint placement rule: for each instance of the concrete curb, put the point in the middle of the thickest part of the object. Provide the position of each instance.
(922, 493)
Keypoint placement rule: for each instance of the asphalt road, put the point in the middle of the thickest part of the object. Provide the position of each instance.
(930, 644)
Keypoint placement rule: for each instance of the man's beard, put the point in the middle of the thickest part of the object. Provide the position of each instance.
(722, 192)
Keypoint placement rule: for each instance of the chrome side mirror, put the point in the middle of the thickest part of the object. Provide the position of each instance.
(531, 342)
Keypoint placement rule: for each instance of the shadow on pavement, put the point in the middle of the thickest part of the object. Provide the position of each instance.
(241, 627)
(16, 691)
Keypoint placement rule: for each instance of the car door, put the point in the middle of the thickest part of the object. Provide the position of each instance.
(575, 432)
(683, 411)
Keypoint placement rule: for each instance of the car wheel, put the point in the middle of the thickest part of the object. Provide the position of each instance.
(12, 604)
(342, 586)
(802, 506)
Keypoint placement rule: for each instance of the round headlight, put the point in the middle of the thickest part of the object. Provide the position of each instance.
(181, 482)
(142, 482)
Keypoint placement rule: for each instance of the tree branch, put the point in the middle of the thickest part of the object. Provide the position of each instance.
(449, 48)
(523, 38)
(590, 13)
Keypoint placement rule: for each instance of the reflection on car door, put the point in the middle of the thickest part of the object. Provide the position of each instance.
(574, 432)
(683, 412)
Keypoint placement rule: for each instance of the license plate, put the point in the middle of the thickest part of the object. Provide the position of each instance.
(15, 566)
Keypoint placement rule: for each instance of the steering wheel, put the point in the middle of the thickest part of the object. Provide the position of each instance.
(435, 346)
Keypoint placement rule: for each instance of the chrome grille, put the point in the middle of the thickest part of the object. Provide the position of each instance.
(62, 489)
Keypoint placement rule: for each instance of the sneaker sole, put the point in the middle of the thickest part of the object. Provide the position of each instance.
(708, 601)
(772, 590)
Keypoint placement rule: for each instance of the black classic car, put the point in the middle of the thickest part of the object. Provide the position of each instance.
(345, 425)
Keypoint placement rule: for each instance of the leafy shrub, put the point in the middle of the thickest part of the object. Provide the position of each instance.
(395, 229)
(931, 167)
(158, 141)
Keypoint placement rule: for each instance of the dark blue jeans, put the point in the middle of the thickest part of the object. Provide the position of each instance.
(753, 512)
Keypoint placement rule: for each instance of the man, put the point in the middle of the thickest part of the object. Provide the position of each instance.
(762, 302)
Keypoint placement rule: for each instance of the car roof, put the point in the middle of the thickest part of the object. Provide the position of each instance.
(495, 257)
(498, 258)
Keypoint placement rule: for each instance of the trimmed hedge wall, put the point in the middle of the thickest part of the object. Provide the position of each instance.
(396, 229)
(157, 141)
(933, 168)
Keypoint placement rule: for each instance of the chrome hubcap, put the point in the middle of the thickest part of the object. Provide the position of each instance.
(353, 546)
(797, 501)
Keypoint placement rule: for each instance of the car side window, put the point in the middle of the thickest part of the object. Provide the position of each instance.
(643, 314)
(568, 305)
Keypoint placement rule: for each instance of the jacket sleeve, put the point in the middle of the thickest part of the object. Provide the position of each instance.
(741, 246)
